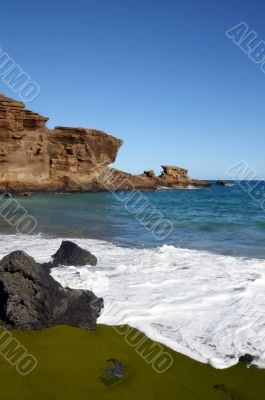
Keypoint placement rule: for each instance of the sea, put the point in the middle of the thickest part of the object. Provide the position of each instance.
(186, 267)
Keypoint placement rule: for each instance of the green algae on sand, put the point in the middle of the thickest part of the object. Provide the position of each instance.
(71, 364)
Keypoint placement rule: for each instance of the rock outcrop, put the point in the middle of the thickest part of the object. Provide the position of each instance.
(35, 158)
(32, 157)
(31, 299)
(70, 253)
(114, 180)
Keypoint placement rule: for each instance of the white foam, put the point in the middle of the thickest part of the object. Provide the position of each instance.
(192, 187)
(207, 306)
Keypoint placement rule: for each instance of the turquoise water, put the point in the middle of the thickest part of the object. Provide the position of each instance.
(223, 220)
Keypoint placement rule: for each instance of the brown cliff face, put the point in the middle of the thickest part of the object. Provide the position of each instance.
(35, 158)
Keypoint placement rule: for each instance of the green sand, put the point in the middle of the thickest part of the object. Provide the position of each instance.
(71, 362)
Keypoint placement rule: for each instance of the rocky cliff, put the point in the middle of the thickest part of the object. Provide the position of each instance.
(35, 158)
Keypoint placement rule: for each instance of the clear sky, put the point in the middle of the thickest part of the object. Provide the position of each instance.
(161, 75)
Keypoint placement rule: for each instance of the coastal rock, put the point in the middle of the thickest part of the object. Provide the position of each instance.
(174, 172)
(175, 176)
(65, 159)
(115, 180)
(70, 253)
(35, 158)
(246, 358)
(31, 299)
(221, 182)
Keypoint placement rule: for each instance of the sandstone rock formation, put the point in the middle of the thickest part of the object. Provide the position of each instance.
(31, 299)
(35, 158)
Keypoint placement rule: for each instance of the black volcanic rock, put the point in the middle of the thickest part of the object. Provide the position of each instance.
(114, 371)
(70, 253)
(31, 299)
(246, 358)
(221, 182)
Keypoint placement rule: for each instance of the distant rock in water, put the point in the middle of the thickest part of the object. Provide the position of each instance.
(70, 253)
(220, 182)
(31, 299)
(67, 159)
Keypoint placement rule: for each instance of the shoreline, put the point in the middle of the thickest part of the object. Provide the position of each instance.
(116, 265)
(29, 193)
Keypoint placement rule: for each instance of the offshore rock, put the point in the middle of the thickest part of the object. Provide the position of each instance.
(221, 182)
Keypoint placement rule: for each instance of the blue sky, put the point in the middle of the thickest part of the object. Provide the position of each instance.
(161, 75)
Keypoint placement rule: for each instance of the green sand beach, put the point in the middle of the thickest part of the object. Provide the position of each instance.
(132, 200)
(71, 364)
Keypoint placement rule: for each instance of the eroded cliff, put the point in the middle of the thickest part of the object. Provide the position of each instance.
(35, 158)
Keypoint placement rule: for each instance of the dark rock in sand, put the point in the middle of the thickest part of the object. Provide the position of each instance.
(70, 253)
(31, 299)
(114, 371)
(228, 392)
(246, 358)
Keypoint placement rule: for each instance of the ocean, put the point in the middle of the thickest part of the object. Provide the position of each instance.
(197, 285)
